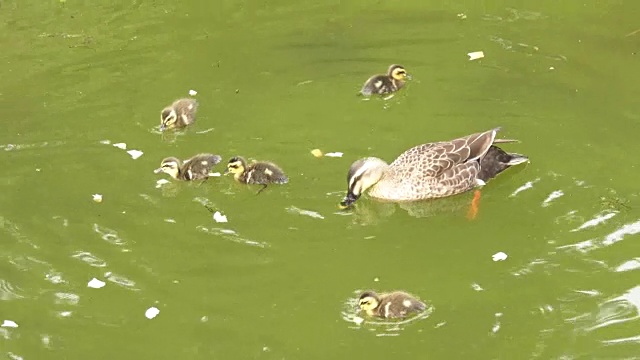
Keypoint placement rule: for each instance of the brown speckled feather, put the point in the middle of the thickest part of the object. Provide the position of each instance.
(398, 304)
(198, 166)
(441, 169)
(264, 173)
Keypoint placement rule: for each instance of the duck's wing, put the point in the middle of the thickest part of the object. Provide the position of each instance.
(434, 159)
(273, 173)
(200, 165)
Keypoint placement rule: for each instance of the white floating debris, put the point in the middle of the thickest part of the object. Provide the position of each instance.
(65, 313)
(96, 284)
(172, 221)
(9, 323)
(215, 174)
(358, 320)
(476, 286)
(476, 55)
(551, 68)
(193, 92)
(554, 195)
(105, 142)
(499, 256)
(97, 198)
(151, 312)
(376, 279)
(462, 16)
(135, 153)
(218, 217)
(122, 146)
(334, 154)
(317, 153)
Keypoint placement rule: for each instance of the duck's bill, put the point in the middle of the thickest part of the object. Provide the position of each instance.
(157, 171)
(226, 171)
(162, 127)
(348, 200)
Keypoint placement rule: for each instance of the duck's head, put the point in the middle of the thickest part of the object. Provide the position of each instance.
(363, 174)
(168, 118)
(236, 165)
(398, 72)
(368, 301)
(170, 166)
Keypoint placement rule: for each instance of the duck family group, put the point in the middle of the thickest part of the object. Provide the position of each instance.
(426, 171)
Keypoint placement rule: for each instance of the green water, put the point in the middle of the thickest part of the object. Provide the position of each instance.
(276, 80)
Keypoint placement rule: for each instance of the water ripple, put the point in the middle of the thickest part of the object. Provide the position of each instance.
(231, 235)
(109, 235)
(629, 265)
(89, 258)
(17, 147)
(62, 298)
(122, 281)
(14, 230)
(614, 311)
(7, 291)
(608, 240)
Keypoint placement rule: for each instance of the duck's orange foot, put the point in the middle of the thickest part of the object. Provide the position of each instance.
(475, 204)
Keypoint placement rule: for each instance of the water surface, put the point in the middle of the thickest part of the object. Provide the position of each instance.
(276, 80)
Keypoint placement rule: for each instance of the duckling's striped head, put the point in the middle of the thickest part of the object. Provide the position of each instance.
(398, 72)
(369, 301)
(363, 174)
(168, 118)
(236, 165)
(169, 166)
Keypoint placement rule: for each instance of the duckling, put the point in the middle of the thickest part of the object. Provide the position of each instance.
(393, 81)
(261, 172)
(179, 114)
(432, 170)
(396, 304)
(194, 168)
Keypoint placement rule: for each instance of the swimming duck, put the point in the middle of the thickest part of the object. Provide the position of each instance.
(179, 114)
(261, 172)
(396, 304)
(385, 84)
(197, 167)
(432, 170)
